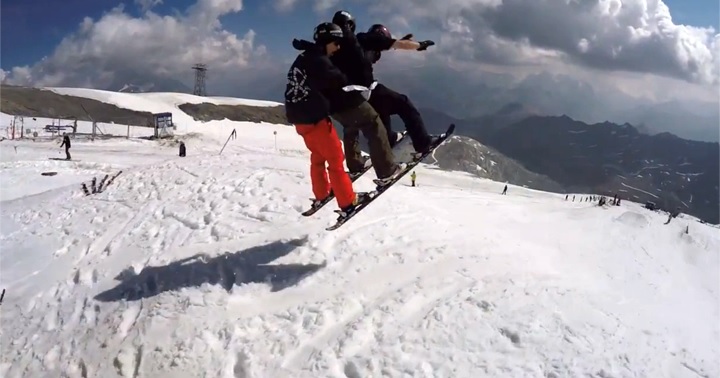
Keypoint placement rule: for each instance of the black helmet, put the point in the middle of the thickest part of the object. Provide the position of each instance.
(343, 18)
(380, 29)
(327, 32)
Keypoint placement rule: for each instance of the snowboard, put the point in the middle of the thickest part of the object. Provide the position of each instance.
(373, 195)
(353, 177)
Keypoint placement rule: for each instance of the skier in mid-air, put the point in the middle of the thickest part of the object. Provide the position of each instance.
(313, 92)
(356, 115)
(384, 100)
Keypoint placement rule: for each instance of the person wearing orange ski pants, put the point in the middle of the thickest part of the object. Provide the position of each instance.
(324, 145)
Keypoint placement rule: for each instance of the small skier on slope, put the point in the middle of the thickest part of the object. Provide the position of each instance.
(312, 81)
(385, 101)
(66, 144)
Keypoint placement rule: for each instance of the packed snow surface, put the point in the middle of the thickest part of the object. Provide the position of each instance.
(203, 267)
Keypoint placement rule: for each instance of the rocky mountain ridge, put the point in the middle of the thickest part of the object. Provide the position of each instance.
(603, 158)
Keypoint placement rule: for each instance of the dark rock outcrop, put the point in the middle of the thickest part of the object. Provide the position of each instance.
(242, 113)
(464, 154)
(35, 102)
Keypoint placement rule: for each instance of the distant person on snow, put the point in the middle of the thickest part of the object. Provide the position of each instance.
(413, 176)
(350, 108)
(354, 61)
(314, 88)
(66, 143)
(505, 190)
(182, 149)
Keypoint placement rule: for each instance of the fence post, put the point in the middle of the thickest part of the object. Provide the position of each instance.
(233, 135)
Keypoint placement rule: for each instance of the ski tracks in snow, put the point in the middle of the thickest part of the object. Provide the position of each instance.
(147, 217)
(179, 271)
(364, 296)
(375, 314)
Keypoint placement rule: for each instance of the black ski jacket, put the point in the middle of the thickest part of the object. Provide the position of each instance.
(351, 60)
(65, 142)
(373, 44)
(314, 88)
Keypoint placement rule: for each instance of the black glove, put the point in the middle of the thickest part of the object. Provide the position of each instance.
(408, 37)
(425, 44)
(346, 30)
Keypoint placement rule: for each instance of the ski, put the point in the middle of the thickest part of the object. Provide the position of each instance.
(353, 177)
(373, 195)
(316, 207)
(417, 158)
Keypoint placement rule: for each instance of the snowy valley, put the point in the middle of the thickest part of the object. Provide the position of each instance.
(202, 266)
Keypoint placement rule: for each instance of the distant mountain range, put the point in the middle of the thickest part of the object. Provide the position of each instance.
(603, 158)
(466, 96)
(465, 154)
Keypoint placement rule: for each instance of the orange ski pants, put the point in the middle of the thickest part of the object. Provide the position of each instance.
(324, 145)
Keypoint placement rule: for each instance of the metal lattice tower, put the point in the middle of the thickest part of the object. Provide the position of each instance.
(200, 73)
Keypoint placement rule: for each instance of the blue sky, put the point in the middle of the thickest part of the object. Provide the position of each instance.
(30, 29)
(695, 12)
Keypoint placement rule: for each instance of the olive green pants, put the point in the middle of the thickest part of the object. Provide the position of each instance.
(364, 119)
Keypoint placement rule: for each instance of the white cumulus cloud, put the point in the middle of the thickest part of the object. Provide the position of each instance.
(612, 35)
(119, 48)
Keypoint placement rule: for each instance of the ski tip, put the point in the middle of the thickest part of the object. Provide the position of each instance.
(334, 227)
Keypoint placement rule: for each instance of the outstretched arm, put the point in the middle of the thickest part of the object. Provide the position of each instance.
(407, 43)
(378, 42)
(404, 44)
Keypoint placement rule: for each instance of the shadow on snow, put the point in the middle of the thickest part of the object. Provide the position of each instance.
(226, 270)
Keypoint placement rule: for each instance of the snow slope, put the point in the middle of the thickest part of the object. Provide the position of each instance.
(202, 267)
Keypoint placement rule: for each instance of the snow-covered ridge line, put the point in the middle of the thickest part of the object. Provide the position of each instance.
(162, 102)
(127, 100)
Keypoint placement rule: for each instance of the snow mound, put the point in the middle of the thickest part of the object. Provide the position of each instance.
(202, 266)
(633, 219)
